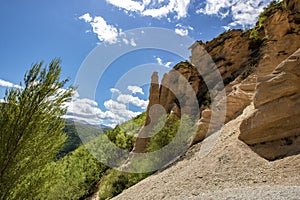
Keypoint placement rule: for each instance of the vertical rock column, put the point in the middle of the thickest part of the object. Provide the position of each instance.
(143, 135)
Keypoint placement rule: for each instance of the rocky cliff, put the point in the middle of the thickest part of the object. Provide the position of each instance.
(273, 129)
(243, 59)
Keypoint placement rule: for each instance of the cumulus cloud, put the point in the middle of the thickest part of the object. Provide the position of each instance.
(154, 8)
(158, 12)
(114, 90)
(243, 12)
(132, 42)
(86, 17)
(126, 40)
(105, 32)
(117, 111)
(126, 99)
(87, 111)
(4, 83)
(183, 30)
(160, 62)
(128, 5)
(135, 89)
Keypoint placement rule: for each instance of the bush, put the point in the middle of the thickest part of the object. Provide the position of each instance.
(270, 10)
(31, 129)
(114, 182)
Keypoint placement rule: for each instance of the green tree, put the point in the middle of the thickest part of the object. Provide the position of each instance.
(31, 128)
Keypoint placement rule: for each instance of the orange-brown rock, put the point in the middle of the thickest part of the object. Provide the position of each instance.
(152, 116)
(252, 61)
(177, 94)
(241, 62)
(277, 103)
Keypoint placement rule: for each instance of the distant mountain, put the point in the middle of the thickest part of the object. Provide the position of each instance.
(87, 132)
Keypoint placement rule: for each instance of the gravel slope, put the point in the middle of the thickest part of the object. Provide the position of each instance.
(230, 171)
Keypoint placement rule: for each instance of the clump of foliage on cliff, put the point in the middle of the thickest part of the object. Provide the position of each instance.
(268, 11)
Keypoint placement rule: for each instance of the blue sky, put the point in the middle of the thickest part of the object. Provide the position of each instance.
(36, 30)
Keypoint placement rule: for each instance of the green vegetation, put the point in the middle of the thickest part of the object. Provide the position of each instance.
(114, 182)
(164, 132)
(72, 177)
(77, 174)
(31, 128)
(73, 140)
(171, 130)
(270, 10)
(124, 135)
(42, 156)
(37, 160)
(274, 6)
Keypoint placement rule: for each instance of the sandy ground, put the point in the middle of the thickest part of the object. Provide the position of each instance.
(230, 171)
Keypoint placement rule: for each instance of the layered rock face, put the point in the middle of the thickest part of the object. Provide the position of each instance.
(242, 63)
(251, 60)
(273, 130)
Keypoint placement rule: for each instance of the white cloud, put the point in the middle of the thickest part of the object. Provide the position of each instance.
(182, 31)
(160, 62)
(128, 5)
(158, 12)
(244, 12)
(125, 41)
(105, 32)
(120, 109)
(4, 83)
(88, 111)
(168, 64)
(114, 90)
(226, 27)
(135, 89)
(154, 8)
(126, 99)
(181, 7)
(86, 17)
(132, 42)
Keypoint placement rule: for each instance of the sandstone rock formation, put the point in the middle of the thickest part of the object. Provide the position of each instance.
(251, 61)
(273, 130)
(179, 93)
(241, 62)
